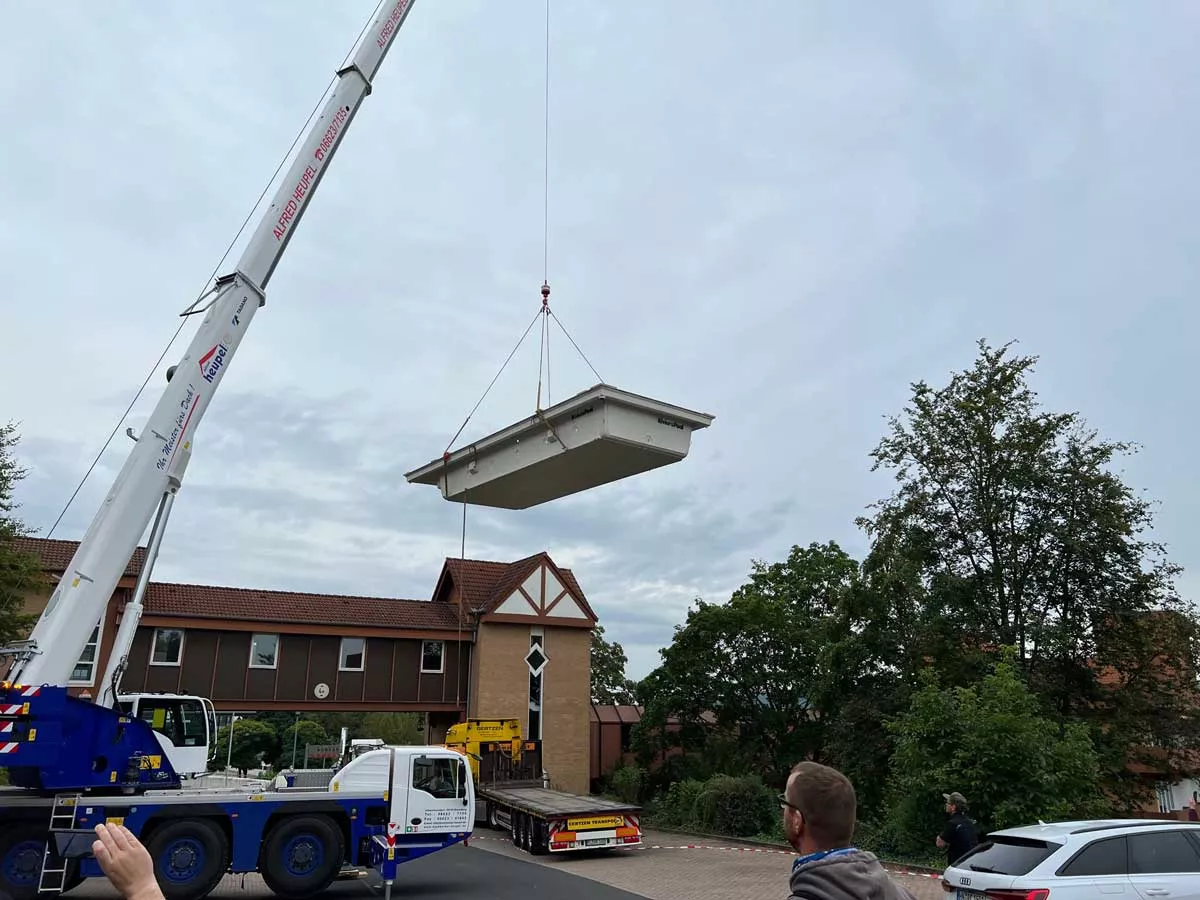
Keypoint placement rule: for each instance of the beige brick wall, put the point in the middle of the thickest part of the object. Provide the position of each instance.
(501, 678)
(500, 690)
(566, 709)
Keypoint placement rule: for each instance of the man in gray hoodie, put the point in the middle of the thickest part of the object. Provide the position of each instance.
(819, 811)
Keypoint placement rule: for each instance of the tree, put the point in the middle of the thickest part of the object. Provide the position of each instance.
(252, 740)
(992, 743)
(396, 729)
(20, 572)
(293, 741)
(757, 680)
(609, 683)
(1008, 527)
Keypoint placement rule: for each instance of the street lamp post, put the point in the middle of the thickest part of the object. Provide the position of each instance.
(229, 758)
(295, 737)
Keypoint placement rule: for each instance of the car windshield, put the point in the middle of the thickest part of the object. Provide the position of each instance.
(1007, 855)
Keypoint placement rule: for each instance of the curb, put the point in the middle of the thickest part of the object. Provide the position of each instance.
(900, 867)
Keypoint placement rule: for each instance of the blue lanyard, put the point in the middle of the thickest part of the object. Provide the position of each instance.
(820, 854)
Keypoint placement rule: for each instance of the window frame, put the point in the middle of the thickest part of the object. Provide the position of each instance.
(536, 697)
(253, 644)
(362, 654)
(154, 644)
(441, 669)
(1161, 835)
(1064, 871)
(94, 662)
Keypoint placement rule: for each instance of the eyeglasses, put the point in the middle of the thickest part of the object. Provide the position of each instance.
(784, 804)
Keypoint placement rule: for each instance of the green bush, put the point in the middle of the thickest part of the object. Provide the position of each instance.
(738, 807)
(626, 783)
(678, 808)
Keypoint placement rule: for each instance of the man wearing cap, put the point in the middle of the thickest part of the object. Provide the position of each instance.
(959, 835)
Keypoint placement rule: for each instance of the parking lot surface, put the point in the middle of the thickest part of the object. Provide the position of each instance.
(671, 867)
(678, 867)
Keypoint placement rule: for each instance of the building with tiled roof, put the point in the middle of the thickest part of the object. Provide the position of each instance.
(494, 640)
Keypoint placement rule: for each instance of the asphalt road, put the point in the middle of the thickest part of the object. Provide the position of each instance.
(458, 872)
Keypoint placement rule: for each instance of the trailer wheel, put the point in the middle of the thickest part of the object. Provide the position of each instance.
(190, 858)
(301, 856)
(526, 832)
(539, 837)
(515, 820)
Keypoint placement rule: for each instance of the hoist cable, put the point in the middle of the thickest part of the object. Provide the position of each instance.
(494, 380)
(582, 355)
(546, 162)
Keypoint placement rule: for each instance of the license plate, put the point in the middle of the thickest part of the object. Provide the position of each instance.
(597, 842)
(968, 894)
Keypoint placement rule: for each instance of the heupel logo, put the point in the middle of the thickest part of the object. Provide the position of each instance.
(211, 362)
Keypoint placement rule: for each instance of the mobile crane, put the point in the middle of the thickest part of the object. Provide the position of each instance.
(73, 763)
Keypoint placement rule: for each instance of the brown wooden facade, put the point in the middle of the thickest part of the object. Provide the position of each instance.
(215, 664)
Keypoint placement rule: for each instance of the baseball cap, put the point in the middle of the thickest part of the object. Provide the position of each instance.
(956, 798)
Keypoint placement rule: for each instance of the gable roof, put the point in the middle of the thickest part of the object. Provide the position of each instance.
(56, 555)
(485, 584)
(201, 601)
(198, 601)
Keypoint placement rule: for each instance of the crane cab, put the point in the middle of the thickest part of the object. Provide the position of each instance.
(184, 725)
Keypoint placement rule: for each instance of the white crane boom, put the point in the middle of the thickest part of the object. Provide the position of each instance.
(155, 467)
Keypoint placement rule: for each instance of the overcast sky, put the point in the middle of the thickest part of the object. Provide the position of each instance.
(780, 213)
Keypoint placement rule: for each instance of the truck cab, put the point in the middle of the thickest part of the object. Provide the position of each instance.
(430, 788)
(184, 725)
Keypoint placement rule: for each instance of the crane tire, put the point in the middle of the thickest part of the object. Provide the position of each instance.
(190, 857)
(302, 855)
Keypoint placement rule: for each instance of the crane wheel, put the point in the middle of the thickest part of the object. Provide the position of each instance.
(301, 856)
(190, 857)
(22, 846)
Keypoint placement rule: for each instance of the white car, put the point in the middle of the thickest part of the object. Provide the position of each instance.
(1135, 859)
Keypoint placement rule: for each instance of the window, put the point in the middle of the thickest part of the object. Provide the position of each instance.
(84, 673)
(536, 661)
(1007, 855)
(1106, 857)
(264, 651)
(167, 649)
(443, 778)
(181, 721)
(1160, 853)
(432, 657)
(354, 651)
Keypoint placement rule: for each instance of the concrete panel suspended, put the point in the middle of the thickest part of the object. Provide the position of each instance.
(598, 436)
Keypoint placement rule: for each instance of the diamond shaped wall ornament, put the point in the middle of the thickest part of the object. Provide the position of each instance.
(536, 660)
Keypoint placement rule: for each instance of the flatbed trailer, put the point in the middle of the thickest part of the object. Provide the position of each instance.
(379, 812)
(543, 820)
(513, 794)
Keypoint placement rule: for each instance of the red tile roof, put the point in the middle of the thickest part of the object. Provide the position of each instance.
(56, 555)
(196, 601)
(476, 579)
(486, 584)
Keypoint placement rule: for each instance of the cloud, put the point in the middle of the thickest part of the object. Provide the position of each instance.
(778, 213)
